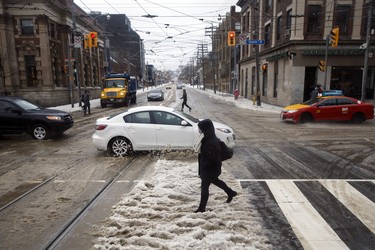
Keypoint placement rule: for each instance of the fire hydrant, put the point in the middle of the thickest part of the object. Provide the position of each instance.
(254, 99)
(236, 94)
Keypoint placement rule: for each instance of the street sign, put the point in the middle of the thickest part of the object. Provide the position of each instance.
(254, 41)
(77, 42)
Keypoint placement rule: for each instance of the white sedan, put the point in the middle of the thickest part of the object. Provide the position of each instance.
(151, 128)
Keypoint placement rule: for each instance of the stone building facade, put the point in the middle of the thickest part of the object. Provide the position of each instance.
(43, 56)
(295, 35)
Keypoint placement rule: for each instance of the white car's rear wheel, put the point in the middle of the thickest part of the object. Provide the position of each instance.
(120, 146)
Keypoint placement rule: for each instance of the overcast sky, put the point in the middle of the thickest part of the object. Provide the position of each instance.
(184, 22)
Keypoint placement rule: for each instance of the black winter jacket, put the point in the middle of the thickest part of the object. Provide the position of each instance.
(209, 158)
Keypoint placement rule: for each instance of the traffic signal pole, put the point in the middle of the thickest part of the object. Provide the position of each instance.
(365, 66)
(325, 63)
(76, 57)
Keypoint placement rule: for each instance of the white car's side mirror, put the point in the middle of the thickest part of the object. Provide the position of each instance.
(184, 123)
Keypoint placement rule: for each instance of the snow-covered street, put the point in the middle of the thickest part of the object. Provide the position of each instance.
(159, 214)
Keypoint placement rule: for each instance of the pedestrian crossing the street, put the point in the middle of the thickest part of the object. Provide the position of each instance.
(324, 214)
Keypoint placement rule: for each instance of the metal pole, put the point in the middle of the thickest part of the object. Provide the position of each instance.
(325, 63)
(257, 60)
(70, 71)
(76, 55)
(365, 67)
(213, 57)
(257, 74)
(235, 69)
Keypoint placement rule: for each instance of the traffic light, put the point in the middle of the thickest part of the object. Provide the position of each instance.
(231, 38)
(322, 66)
(87, 42)
(65, 69)
(334, 37)
(264, 67)
(93, 39)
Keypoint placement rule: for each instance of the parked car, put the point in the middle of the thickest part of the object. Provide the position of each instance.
(329, 108)
(179, 86)
(155, 95)
(18, 115)
(151, 128)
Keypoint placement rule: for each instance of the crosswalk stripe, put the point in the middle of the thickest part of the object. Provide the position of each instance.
(310, 228)
(354, 200)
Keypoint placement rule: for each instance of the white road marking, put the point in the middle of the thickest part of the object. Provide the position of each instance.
(311, 229)
(353, 200)
(287, 180)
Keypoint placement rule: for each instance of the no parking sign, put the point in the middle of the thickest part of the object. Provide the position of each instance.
(77, 42)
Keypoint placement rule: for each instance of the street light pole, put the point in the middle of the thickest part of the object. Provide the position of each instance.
(365, 67)
(76, 54)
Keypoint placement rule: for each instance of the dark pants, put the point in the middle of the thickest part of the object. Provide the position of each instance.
(86, 108)
(205, 191)
(184, 104)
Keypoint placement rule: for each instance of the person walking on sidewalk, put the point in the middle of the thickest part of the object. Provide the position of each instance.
(209, 164)
(86, 103)
(184, 101)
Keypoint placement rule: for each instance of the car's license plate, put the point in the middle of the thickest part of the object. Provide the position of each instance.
(111, 99)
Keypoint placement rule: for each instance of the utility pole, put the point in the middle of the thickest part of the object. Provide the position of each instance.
(235, 69)
(76, 54)
(325, 63)
(210, 33)
(367, 49)
(257, 60)
(203, 50)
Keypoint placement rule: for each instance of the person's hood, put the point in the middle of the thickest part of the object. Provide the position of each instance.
(207, 127)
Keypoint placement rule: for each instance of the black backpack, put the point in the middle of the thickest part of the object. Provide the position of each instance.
(226, 152)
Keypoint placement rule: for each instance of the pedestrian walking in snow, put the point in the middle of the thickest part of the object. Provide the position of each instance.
(209, 164)
(86, 103)
(184, 101)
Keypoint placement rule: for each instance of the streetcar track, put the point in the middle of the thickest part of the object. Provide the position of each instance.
(80, 214)
(43, 183)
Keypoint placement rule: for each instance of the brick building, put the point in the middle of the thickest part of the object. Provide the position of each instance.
(295, 34)
(42, 53)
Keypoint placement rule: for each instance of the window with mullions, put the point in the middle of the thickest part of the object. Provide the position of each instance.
(342, 18)
(267, 5)
(267, 35)
(30, 68)
(52, 30)
(27, 27)
(278, 28)
(314, 16)
(288, 24)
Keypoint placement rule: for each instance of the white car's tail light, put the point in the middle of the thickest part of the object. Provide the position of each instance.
(100, 126)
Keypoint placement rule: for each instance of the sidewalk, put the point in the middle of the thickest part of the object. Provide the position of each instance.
(241, 101)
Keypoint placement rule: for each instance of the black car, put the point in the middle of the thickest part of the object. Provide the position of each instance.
(155, 95)
(18, 115)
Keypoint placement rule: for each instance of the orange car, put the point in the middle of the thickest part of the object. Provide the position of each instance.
(329, 108)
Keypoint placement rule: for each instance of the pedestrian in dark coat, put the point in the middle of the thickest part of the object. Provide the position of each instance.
(86, 103)
(314, 93)
(184, 102)
(209, 162)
